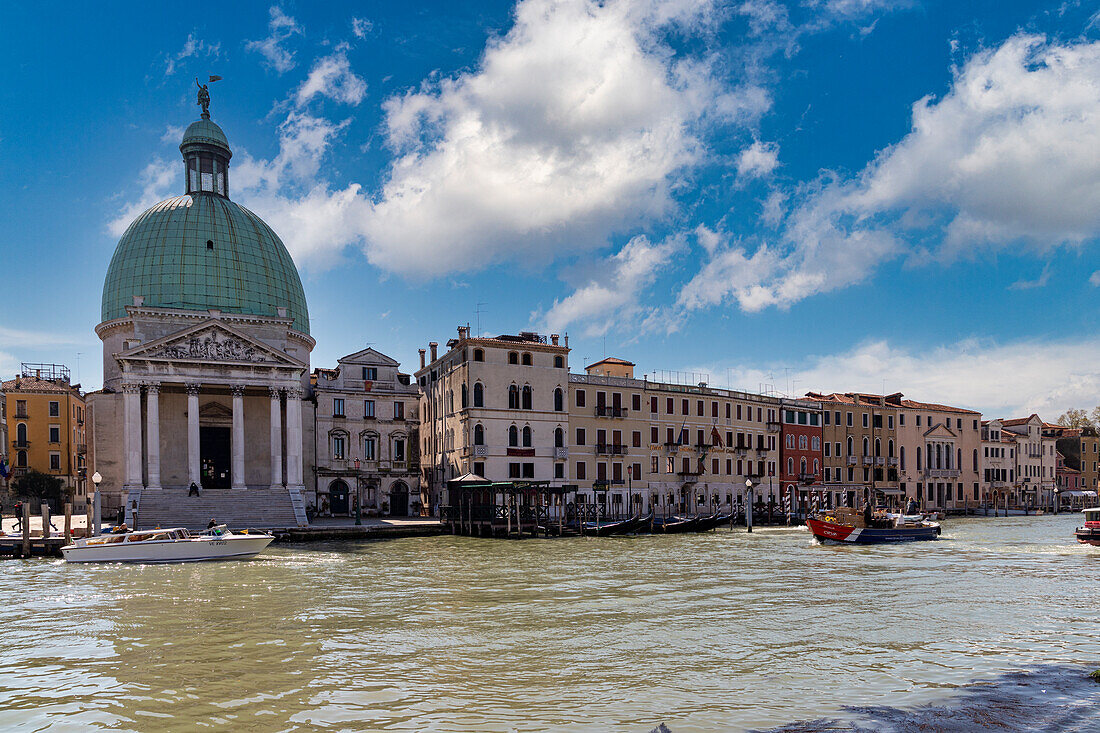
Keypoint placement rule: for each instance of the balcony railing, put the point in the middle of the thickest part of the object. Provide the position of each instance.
(561, 453)
(689, 477)
(941, 472)
(22, 415)
(610, 449)
(773, 426)
(21, 443)
(806, 476)
(81, 447)
(868, 460)
(481, 451)
(851, 460)
(610, 411)
(893, 460)
(880, 460)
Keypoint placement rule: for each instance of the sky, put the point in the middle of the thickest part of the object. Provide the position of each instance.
(825, 195)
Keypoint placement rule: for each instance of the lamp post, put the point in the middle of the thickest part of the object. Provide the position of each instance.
(748, 509)
(96, 507)
(358, 497)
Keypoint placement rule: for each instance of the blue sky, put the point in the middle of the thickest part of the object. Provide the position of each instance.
(825, 194)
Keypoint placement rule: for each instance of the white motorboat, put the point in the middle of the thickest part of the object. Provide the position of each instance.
(168, 545)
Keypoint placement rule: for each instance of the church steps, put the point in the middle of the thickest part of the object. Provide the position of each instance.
(254, 507)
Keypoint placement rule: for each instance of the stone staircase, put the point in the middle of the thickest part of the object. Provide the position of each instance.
(240, 509)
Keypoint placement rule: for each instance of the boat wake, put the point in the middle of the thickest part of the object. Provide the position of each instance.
(1054, 699)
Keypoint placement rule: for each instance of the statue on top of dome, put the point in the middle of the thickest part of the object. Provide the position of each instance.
(204, 99)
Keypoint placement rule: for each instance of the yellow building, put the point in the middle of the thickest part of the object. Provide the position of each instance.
(46, 431)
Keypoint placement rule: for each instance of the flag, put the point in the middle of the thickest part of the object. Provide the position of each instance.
(716, 436)
(3, 468)
(215, 78)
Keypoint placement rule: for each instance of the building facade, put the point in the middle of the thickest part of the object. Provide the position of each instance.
(5, 463)
(860, 447)
(47, 427)
(1036, 461)
(939, 454)
(1080, 448)
(366, 438)
(206, 350)
(998, 456)
(494, 407)
(801, 454)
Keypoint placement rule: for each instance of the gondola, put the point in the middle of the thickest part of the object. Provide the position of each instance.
(675, 525)
(623, 526)
(706, 524)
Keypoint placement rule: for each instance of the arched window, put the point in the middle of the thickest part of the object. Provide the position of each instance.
(890, 448)
(790, 465)
(790, 440)
(815, 443)
(21, 433)
(370, 447)
(959, 459)
(479, 435)
(465, 396)
(802, 442)
(513, 357)
(850, 445)
(975, 459)
(918, 457)
(526, 359)
(878, 447)
(479, 355)
(479, 395)
(559, 438)
(527, 397)
(21, 459)
(901, 456)
(559, 362)
(513, 436)
(802, 466)
(559, 400)
(817, 466)
(866, 446)
(526, 436)
(513, 397)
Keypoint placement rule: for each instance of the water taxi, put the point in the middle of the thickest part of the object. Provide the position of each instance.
(168, 545)
(1089, 533)
(848, 525)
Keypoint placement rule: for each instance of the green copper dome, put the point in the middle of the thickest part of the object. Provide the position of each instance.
(202, 251)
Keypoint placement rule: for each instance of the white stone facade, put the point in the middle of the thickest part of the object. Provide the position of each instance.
(365, 439)
(203, 398)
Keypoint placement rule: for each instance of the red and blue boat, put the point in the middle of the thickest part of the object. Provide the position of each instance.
(1089, 533)
(848, 525)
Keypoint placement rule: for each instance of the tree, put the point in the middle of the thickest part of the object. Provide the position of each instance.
(41, 486)
(1075, 418)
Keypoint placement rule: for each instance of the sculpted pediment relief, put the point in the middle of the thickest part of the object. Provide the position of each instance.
(207, 343)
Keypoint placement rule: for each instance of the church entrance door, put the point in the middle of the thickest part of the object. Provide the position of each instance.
(214, 457)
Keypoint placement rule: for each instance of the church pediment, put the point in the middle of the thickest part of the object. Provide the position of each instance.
(215, 411)
(369, 357)
(210, 342)
(939, 431)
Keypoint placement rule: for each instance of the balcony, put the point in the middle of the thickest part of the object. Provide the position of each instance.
(851, 460)
(21, 443)
(481, 451)
(880, 461)
(22, 415)
(608, 411)
(560, 453)
(807, 477)
(773, 426)
(868, 460)
(704, 447)
(81, 448)
(893, 460)
(741, 449)
(941, 473)
(688, 477)
(609, 449)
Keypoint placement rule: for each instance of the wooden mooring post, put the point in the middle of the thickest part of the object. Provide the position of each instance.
(26, 529)
(68, 522)
(45, 521)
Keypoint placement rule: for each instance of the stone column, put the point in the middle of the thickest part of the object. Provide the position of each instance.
(131, 435)
(194, 475)
(238, 437)
(276, 438)
(294, 438)
(152, 434)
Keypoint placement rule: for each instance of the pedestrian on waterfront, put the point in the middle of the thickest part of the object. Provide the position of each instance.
(19, 516)
(867, 513)
(194, 490)
(120, 518)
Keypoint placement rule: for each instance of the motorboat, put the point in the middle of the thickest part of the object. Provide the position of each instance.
(1089, 533)
(848, 525)
(168, 545)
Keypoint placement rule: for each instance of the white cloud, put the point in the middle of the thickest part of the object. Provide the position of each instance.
(37, 339)
(361, 27)
(998, 379)
(1008, 156)
(611, 296)
(281, 27)
(1094, 279)
(758, 160)
(332, 77)
(157, 180)
(1039, 282)
(575, 125)
(192, 47)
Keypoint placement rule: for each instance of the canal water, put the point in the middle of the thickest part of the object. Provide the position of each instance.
(722, 631)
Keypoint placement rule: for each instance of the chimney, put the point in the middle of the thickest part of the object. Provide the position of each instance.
(462, 333)
(422, 358)
(434, 346)
(567, 341)
(554, 339)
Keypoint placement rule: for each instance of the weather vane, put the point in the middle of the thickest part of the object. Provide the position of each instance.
(204, 96)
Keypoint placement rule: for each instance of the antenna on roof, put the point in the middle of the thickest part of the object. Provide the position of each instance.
(478, 310)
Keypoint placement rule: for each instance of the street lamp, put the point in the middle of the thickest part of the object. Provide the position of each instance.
(748, 509)
(96, 508)
(358, 497)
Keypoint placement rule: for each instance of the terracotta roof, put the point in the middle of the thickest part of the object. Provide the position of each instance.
(1018, 420)
(937, 407)
(31, 384)
(612, 360)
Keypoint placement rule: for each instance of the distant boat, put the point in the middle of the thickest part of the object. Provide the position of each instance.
(674, 525)
(848, 525)
(167, 545)
(624, 526)
(1089, 533)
